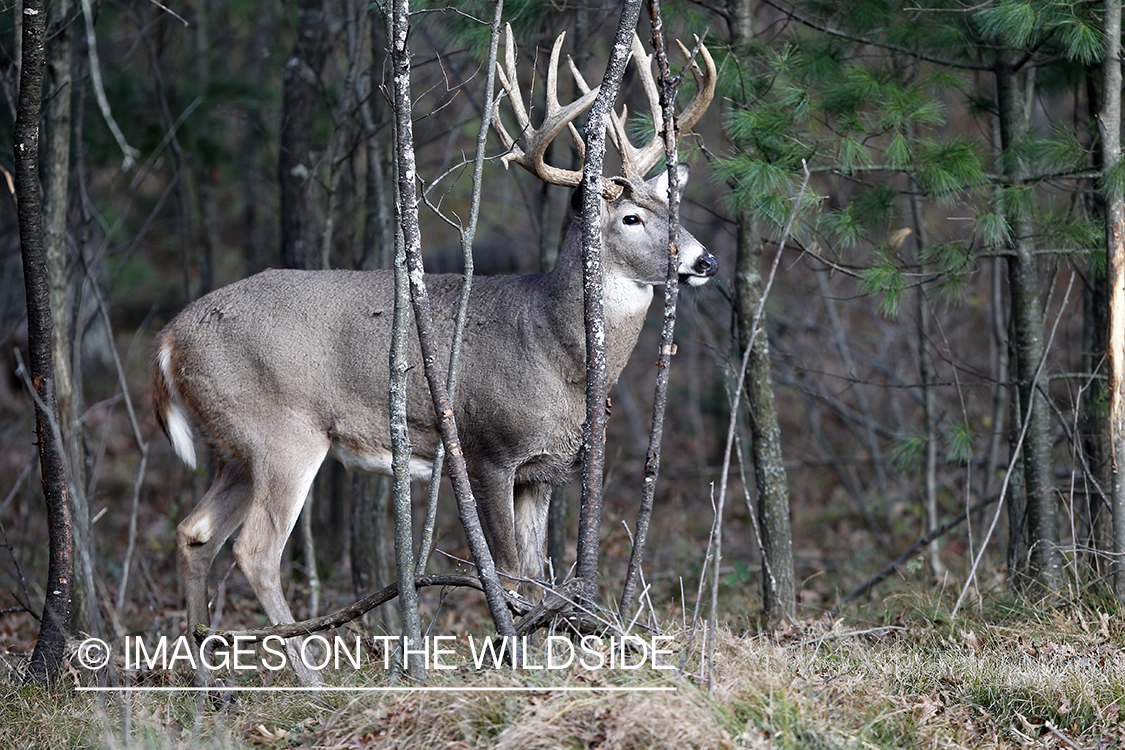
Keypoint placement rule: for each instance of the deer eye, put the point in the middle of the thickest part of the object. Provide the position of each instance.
(631, 219)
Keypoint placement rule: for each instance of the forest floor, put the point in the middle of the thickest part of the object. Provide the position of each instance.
(910, 675)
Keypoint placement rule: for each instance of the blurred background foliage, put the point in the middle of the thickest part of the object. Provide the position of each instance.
(900, 374)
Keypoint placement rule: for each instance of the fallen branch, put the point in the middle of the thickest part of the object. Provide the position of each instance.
(355, 611)
(562, 605)
(913, 550)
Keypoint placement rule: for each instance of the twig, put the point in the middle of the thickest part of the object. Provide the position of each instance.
(16, 486)
(169, 11)
(467, 235)
(142, 446)
(423, 317)
(767, 571)
(854, 634)
(792, 12)
(699, 590)
(406, 213)
(912, 551)
(355, 610)
(1011, 464)
(1061, 737)
(308, 552)
(755, 330)
(671, 293)
(25, 605)
(128, 151)
(335, 147)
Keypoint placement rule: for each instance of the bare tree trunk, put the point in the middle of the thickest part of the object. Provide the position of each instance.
(1094, 426)
(779, 589)
(47, 659)
(1015, 89)
(372, 557)
(1000, 373)
(423, 318)
(207, 217)
(593, 433)
(1109, 124)
(256, 220)
(671, 294)
(300, 240)
(468, 233)
(379, 223)
(929, 398)
(558, 528)
(56, 193)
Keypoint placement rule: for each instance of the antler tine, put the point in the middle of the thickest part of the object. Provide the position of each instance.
(584, 87)
(508, 81)
(557, 117)
(704, 86)
(636, 162)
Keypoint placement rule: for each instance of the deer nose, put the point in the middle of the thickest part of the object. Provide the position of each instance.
(706, 265)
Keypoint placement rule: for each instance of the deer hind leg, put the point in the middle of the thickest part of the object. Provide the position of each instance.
(201, 535)
(492, 489)
(531, 503)
(281, 483)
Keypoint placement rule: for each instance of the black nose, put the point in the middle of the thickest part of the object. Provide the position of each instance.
(707, 265)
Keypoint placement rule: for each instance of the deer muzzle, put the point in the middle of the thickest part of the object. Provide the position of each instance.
(697, 264)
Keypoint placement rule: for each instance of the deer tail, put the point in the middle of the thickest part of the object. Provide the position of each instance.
(167, 402)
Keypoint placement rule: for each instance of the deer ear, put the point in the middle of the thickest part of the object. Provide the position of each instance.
(660, 182)
(624, 184)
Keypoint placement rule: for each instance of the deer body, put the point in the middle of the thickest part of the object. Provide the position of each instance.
(279, 370)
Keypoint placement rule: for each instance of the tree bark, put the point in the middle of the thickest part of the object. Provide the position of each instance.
(558, 528)
(468, 233)
(47, 659)
(779, 588)
(423, 318)
(56, 193)
(1109, 125)
(372, 557)
(926, 376)
(593, 433)
(1015, 89)
(671, 295)
(300, 239)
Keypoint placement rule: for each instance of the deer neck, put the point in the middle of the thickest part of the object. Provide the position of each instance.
(625, 304)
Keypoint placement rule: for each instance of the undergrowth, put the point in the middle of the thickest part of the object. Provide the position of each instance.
(911, 676)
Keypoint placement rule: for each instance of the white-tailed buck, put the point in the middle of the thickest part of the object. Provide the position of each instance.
(281, 369)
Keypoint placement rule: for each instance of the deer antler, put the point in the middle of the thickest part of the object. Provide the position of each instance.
(536, 140)
(636, 162)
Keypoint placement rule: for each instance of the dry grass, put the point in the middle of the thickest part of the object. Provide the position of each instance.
(1019, 677)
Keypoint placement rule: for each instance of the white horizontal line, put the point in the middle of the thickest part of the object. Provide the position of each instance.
(362, 689)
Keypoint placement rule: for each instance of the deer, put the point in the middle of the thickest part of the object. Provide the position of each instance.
(283, 368)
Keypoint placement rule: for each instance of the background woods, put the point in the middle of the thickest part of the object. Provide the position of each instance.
(932, 345)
